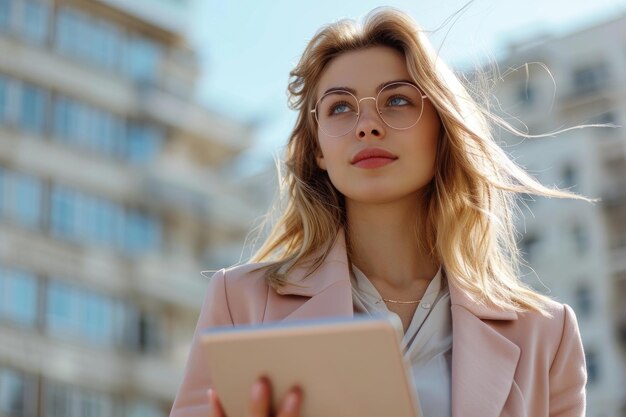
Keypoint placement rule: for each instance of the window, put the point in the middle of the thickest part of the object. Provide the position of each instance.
(17, 393)
(20, 198)
(81, 217)
(569, 176)
(144, 331)
(70, 31)
(32, 108)
(106, 45)
(63, 213)
(4, 98)
(28, 200)
(142, 232)
(526, 94)
(63, 400)
(144, 143)
(107, 41)
(580, 239)
(34, 25)
(584, 300)
(18, 296)
(6, 8)
(529, 247)
(142, 59)
(8, 90)
(89, 128)
(590, 78)
(83, 314)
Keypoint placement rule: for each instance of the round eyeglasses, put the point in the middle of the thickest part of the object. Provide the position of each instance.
(400, 106)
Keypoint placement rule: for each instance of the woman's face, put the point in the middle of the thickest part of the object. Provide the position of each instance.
(411, 165)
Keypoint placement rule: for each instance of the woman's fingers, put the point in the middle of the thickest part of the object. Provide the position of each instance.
(214, 404)
(260, 404)
(290, 407)
(261, 398)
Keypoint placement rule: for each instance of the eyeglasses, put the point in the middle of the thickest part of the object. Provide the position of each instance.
(400, 106)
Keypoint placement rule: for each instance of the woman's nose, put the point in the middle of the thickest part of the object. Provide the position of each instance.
(370, 123)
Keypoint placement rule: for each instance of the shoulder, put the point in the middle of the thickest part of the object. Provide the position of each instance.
(558, 317)
(551, 333)
(243, 289)
(245, 277)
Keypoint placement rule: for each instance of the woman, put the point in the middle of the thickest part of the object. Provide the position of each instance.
(398, 199)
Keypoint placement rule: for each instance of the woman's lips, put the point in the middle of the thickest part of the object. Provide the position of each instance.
(373, 158)
(374, 162)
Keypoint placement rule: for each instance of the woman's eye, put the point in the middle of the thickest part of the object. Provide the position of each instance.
(340, 108)
(398, 101)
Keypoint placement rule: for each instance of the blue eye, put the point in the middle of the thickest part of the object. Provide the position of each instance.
(342, 108)
(339, 108)
(398, 101)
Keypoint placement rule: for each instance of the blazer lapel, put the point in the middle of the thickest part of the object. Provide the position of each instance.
(328, 290)
(483, 361)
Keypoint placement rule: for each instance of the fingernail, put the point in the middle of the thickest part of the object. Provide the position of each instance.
(291, 402)
(257, 390)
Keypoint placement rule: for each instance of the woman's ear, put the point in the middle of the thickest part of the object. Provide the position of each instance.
(320, 161)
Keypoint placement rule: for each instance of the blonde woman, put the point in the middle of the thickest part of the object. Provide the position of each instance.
(398, 199)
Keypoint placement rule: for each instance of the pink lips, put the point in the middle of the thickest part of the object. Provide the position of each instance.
(373, 158)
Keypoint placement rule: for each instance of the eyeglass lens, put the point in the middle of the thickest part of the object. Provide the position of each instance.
(400, 106)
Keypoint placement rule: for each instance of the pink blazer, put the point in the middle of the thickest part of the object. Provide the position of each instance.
(503, 363)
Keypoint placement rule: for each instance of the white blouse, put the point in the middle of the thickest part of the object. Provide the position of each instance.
(427, 343)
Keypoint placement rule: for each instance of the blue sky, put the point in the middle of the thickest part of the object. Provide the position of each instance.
(248, 47)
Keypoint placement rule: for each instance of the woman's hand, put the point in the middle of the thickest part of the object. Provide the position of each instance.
(260, 404)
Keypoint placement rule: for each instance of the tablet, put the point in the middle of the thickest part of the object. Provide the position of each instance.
(345, 367)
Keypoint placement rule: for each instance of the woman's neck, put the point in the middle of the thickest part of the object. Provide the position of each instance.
(384, 245)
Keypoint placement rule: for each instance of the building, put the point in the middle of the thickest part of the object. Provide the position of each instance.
(576, 250)
(111, 203)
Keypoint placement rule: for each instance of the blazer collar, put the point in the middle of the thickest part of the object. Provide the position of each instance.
(335, 269)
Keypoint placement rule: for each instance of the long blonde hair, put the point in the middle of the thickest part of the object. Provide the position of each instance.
(466, 218)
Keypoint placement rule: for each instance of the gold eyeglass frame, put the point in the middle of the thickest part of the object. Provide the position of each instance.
(358, 111)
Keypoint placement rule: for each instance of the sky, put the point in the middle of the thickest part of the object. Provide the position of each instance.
(246, 48)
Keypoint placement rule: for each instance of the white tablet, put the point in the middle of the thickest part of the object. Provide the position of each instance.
(345, 367)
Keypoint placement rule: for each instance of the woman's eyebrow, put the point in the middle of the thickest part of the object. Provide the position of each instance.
(378, 88)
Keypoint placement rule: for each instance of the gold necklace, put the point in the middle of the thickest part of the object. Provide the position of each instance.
(401, 302)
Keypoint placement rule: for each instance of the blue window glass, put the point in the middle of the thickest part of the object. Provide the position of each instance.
(34, 21)
(104, 135)
(15, 394)
(142, 232)
(98, 319)
(5, 14)
(86, 127)
(62, 117)
(144, 143)
(63, 310)
(3, 180)
(27, 208)
(18, 296)
(4, 97)
(107, 41)
(84, 314)
(58, 401)
(63, 400)
(32, 109)
(65, 30)
(142, 59)
(63, 213)
(105, 223)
